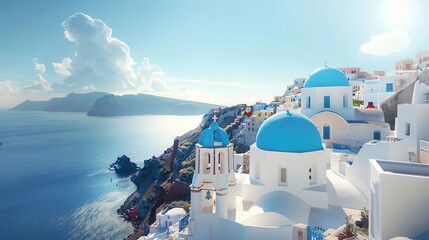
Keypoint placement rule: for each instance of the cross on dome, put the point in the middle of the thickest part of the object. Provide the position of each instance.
(214, 117)
(288, 113)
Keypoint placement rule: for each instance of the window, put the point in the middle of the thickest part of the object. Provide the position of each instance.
(407, 129)
(282, 176)
(326, 132)
(208, 161)
(345, 101)
(219, 162)
(389, 87)
(377, 135)
(312, 174)
(327, 102)
(309, 102)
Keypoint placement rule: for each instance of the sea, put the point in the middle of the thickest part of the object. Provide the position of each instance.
(54, 177)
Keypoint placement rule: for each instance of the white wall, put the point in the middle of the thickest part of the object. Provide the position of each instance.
(317, 101)
(352, 134)
(213, 228)
(358, 173)
(401, 201)
(297, 165)
(417, 115)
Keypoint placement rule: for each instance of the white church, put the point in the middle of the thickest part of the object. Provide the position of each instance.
(327, 101)
(287, 178)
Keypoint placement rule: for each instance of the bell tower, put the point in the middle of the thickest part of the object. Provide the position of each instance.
(213, 190)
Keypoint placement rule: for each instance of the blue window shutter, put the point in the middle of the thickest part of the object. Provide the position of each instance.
(327, 102)
(326, 132)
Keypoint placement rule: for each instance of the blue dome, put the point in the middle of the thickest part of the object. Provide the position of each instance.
(214, 136)
(288, 132)
(326, 77)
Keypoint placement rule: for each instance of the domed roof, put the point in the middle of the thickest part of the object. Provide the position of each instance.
(287, 132)
(214, 136)
(326, 77)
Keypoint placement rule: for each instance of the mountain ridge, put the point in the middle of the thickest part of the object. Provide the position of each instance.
(72, 102)
(145, 104)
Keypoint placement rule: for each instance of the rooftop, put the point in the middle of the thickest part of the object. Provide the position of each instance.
(407, 168)
(326, 77)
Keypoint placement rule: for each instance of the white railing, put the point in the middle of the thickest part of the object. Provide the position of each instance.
(424, 145)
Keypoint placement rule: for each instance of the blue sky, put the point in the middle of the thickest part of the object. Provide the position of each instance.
(216, 51)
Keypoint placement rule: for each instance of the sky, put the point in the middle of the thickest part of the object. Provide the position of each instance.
(225, 52)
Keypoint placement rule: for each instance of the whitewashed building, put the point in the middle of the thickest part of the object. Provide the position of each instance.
(327, 100)
(399, 200)
(287, 178)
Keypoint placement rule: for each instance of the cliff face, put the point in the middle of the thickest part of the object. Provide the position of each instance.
(73, 102)
(144, 104)
(166, 178)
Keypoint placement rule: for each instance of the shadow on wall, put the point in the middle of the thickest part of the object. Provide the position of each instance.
(390, 105)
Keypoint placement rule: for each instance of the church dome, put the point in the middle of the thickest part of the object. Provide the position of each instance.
(288, 132)
(214, 136)
(326, 77)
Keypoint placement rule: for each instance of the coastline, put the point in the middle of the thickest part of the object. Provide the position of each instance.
(165, 179)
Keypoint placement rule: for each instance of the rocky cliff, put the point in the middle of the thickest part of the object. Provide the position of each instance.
(144, 104)
(73, 102)
(165, 179)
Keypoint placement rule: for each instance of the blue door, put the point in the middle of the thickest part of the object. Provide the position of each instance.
(377, 135)
(326, 132)
(327, 102)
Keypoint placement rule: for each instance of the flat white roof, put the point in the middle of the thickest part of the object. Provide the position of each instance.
(408, 168)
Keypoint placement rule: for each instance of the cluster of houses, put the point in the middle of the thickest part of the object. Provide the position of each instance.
(316, 160)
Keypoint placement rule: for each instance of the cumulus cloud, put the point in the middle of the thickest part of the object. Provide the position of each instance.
(101, 60)
(388, 43)
(6, 88)
(40, 83)
(39, 67)
(151, 77)
(63, 67)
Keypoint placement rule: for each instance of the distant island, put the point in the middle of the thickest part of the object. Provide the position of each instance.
(73, 102)
(103, 104)
(144, 104)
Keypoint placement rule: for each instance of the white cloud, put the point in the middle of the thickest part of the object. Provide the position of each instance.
(40, 83)
(388, 43)
(63, 67)
(10, 95)
(150, 77)
(39, 67)
(6, 87)
(101, 60)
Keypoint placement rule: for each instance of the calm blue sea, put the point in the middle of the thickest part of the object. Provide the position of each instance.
(54, 182)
